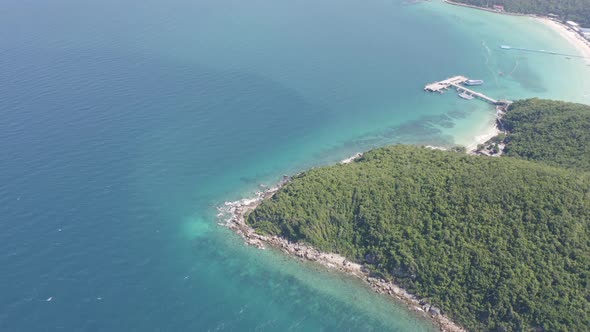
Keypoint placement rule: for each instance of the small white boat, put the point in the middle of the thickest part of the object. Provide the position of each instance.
(474, 82)
(505, 47)
(465, 95)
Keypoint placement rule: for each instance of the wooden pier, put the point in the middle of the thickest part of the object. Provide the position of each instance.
(475, 94)
(455, 82)
(441, 86)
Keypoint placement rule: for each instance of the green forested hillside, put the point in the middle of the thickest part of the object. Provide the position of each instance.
(553, 132)
(498, 243)
(575, 10)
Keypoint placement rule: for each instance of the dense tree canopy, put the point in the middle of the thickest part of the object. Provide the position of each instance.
(498, 243)
(553, 132)
(575, 10)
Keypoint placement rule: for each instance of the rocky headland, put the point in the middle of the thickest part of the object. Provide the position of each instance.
(234, 216)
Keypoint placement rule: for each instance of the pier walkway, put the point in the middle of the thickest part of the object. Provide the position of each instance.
(456, 83)
(441, 86)
(475, 94)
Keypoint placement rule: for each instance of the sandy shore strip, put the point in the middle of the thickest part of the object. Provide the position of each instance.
(233, 215)
(581, 44)
(492, 132)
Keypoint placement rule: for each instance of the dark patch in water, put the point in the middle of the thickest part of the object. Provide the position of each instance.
(459, 114)
(528, 78)
(442, 120)
(424, 131)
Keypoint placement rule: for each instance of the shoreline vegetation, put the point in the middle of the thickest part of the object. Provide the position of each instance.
(529, 117)
(493, 131)
(235, 214)
(493, 142)
(564, 10)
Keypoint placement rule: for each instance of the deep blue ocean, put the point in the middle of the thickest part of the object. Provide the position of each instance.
(125, 123)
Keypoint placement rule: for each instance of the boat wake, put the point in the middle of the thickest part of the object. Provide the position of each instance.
(487, 55)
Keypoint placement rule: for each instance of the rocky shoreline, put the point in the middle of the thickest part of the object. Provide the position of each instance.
(234, 213)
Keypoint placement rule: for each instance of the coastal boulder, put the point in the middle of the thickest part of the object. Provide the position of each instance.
(434, 311)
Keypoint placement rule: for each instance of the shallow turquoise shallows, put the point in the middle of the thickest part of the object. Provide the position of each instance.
(125, 123)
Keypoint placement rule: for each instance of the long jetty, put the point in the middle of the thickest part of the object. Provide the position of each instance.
(506, 47)
(475, 94)
(456, 82)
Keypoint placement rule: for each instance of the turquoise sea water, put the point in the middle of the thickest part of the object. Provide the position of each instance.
(125, 123)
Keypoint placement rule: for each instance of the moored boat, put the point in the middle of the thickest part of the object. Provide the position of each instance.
(465, 95)
(474, 82)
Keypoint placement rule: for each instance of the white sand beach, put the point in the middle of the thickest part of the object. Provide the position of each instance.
(582, 45)
(484, 137)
